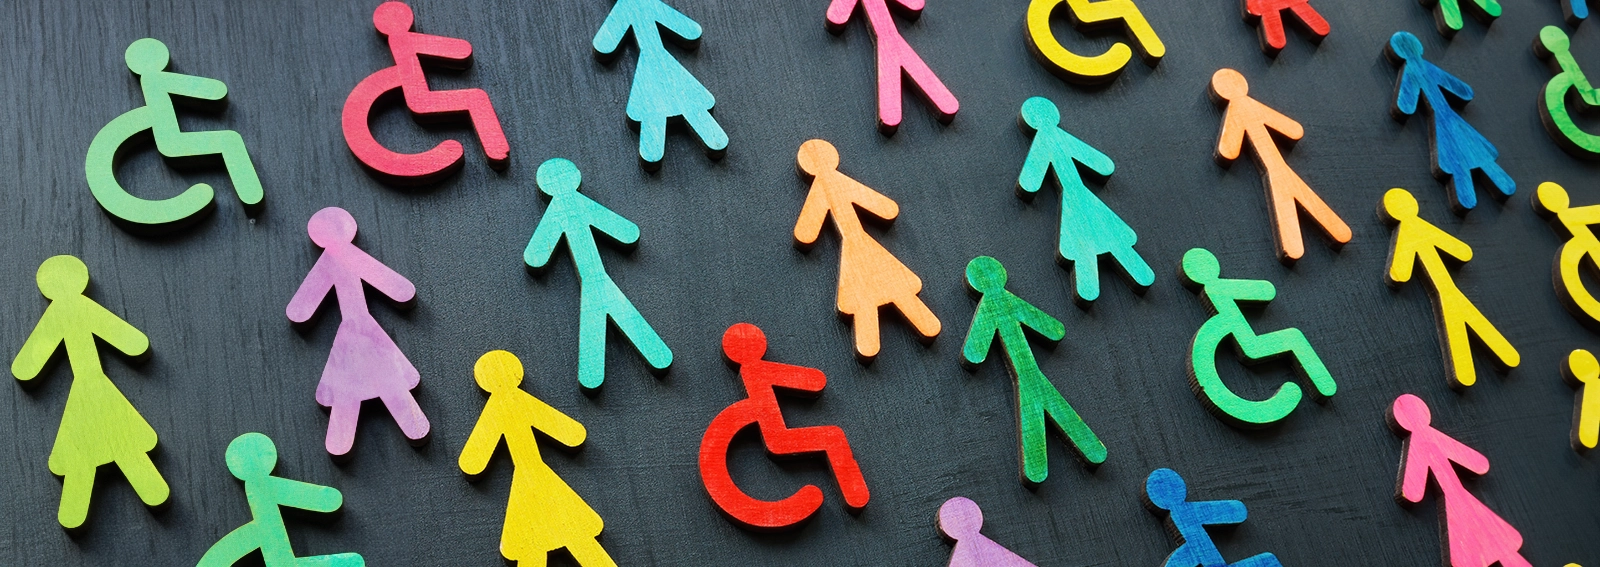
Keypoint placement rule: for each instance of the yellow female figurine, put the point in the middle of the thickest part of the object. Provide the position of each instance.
(543, 513)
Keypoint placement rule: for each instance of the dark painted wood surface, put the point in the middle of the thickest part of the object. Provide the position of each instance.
(716, 250)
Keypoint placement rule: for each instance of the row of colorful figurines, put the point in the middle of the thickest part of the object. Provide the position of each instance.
(663, 89)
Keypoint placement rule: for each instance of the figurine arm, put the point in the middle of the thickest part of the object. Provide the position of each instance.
(1244, 290)
(1034, 168)
(1455, 86)
(117, 332)
(913, 5)
(203, 88)
(980, 338)
(878, 204)
(1453, 246)
(1230, 141)
(812, 217)
(839, 11)
(545, 239)
(1465, 456)
(1585, 215)
(1283, 124)
(1220, 512)
(480, 446)
(386, 280)
(557, 425)
(796, 378)
(1413, 479)
(304, 495)
(312, 291)
(679, 24)
(1402, 262)
(440, 47)
(1041, 322)
(612, 224)
(36, 352)
(611, 34)
(1091, 157)
(1408, 92)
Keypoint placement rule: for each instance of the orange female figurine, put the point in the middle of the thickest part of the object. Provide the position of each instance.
(869, 276)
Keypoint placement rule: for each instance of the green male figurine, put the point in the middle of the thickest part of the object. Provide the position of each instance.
(251, 458)
(1002, 313)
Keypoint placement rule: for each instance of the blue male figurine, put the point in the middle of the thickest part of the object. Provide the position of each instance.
(1167, 494)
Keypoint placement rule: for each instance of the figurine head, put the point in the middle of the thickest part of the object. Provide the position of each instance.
(61, 277)
(1410, 413)
(1165, 489)
(331, 227)
(1405, 46)
(1200, 267)
(1039, 113)
(497, 371)
(558, 177)
(744, 343)
(392, 18)
(818, 157)
(1229, 84)
(251, 456)
(985, 275)
(1551, 198)
(960, 518)
(1554, 40)
(147, 56)
(1399, 204)
(1583, 367)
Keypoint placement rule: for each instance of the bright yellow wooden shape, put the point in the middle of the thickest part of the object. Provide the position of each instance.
(1097, 68)
(1582, 371)
(1552, 202)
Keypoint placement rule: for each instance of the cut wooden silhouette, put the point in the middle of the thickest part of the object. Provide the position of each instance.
(1554, 46)
(148, 58)
(574, 217)
(364, 362)
(896, 60)
(1447, 13)
(1476, 536)
(1002, 314)
(869, 276)
(744, 345)
(1458, 148)
(543, 513)
(1576, 11)
(1093, 69)
(662, 88)
(251, 458)
(1582, 371)
(409, 48)
(1269, 15)
(1089, 229)
(98, 426)
(1225, 296)
(1416, 240)
(960, 520)
(1166, 494)
(1575, 223)
(1247, 119)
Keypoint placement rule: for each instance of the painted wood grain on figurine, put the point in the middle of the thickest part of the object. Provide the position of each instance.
(1555, 47)
(1447, 13)
(662, 87)
(1094, 69)
(1269, 15)
(1458, 148)
(251, 458)
(1581, 249)
(897, 62)
(1582, 372)
(1166, 494)
(960, 521)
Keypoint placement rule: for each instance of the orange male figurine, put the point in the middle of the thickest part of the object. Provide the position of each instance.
(869, 276)
(1287, 194)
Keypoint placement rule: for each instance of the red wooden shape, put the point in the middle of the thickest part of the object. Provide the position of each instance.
(744, 345)
(1270, 12)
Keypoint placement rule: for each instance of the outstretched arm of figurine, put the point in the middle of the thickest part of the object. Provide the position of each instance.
(611, 34)
(440, 47)
(203, 88)
(1402, 262)
(840, 10)
(1459, 453)
(795, 379)
(1413, 475)
(312, 291)
(117, 332)
(1408, 92)
(303, 495)
(1584, 216)
(480, 446)
(1282, 124)
(1452, 246)
(980, 338)
(612, 224)
(1455, 86)
(1242, 290)
(1041, 322)
(1220, 512)
(680, 25)
(812, 217)
(1034, 168)
(912, 5)
(1094, 159)
(1230, 141)
(386, 280)
(545, 239)
(40, 346)
(552, 422)
(875, 203)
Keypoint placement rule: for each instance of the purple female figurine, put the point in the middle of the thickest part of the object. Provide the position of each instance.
(364, 362)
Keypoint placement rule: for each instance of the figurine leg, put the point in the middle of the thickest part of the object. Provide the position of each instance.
(76, 488)
(591, 346)
(921, 318)
(866, 323)
(653, 139)
(408, 415)
(640, 332)
(588, 553)
(342, 428)
(708, 130)
(145, 479)
(832, 442)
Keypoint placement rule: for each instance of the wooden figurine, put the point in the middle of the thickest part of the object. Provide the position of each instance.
(1269, 15)
(744, 346)
(1247, 119)
(896, 60)
(1094, 69)
(1225, 296)
(1576, 11)
(543, 513)
(1458, 148)
(98, 426)
(960, 520)
(1416, 240)
(1575, 223)
(1476, 536)
(1582, 371)
(1554, 46)
(1166, 494)
(148, 58)
(364, 362)
(869, 276)
(574, 217)
(1089, 229)
(251, 458)
(1002, 314)
(1447, 13)
(410, 48)
(662, 88)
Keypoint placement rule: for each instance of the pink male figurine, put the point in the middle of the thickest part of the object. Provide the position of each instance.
(364, 362)
(896, 60)
(959, 521)
(1477, 536)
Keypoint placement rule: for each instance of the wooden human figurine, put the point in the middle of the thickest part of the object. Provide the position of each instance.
(1086, 14)
(745, 346)
(574, 217)
(1476, 536)
(98, 426)
(1269, 15)
(251, 458)
(1089, 229)
(1555, 47)
(897, 62)
(1576, 11)
(1201, 271)
(364, 362)
(662, 88)
(1576, 225)
(960, 520)
(1582, 371)
(1447, 13)
(543, 513)
(1002, 314)
(1458, 148)
(869, 276)
(1416, 240)
(1166, 494)
(1248, 120)
(148, 58)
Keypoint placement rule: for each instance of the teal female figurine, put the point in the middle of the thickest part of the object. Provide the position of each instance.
(662, 88)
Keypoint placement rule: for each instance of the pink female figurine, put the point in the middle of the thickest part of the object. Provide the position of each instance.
(364, 362)
(896, 60)
(1477, 537)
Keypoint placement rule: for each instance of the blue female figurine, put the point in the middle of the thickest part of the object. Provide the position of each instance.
(662, 88)
(1458, 148)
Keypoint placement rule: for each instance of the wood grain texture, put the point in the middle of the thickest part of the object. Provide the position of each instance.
(251, 458)
(1167, 495)
(715, 251)
(1581, 250)
(1091, 69)
(897, 61)
(959, 522)
(662, 88)
(1269, 15)
(1560, 121)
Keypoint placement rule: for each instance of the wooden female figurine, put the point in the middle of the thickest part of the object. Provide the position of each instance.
(662, 88)
(1458, 148)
